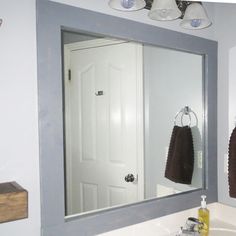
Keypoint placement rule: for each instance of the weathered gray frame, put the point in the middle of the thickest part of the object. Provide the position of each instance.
(51, 19)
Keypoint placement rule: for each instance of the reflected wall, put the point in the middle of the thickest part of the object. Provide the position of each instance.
(173, 80)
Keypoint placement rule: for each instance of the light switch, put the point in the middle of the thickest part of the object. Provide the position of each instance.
(199, 159)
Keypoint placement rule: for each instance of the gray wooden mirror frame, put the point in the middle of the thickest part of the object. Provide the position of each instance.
(51, 19)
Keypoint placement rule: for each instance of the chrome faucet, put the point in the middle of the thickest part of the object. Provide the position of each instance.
(192, 227)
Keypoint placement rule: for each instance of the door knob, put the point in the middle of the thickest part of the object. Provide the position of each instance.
(129, 178)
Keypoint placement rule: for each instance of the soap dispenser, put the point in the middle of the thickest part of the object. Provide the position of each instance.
(203, 216)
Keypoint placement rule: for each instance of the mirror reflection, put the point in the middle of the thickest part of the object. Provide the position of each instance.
(133, 121)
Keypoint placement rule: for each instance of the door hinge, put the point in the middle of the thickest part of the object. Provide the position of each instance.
(69, 75)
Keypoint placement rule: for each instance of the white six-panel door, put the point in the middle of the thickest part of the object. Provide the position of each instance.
(104, 140)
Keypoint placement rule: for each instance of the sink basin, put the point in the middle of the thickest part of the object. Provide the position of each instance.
(222, 223)
(220, 228)
(214, 232)
(222, 231)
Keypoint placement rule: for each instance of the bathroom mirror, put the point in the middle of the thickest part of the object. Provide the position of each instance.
(121, 98)
(52, 20)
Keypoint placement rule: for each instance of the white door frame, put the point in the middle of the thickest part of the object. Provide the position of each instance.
(68, 48)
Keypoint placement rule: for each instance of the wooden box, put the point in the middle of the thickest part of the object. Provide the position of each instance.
(13, 202)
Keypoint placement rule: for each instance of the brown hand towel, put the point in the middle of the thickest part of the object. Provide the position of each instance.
(180, 160)
(232, 164)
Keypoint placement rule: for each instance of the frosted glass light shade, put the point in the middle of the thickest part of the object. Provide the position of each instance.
(195, 17)
(164, 10)
(127, 5)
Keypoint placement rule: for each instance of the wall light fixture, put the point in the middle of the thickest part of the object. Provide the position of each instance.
(193, 14)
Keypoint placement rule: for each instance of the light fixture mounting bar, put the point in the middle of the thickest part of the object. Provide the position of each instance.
(182, 5)
(148, 4)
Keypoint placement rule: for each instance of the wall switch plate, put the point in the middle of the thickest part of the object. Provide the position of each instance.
(199, 159)
(226, 164)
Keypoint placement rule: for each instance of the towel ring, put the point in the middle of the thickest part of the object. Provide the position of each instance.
(186, 111)
(190, 119)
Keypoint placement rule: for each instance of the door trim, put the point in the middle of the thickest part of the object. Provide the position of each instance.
(92, 44)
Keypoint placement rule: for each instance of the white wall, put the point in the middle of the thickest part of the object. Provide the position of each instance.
(225, 17)
(18, 94)
(18, 103)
